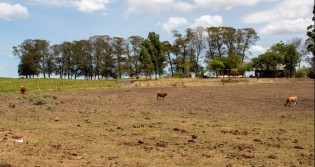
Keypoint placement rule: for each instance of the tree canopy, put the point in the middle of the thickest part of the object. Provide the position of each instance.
(103, 56)
(311, 45)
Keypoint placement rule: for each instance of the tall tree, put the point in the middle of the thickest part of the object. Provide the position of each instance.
(199, 45)
(58, 61)
(157, 53)
(119, 52)
(300, 47)
(133, 53)
(181, 51)
(99, 44)
(228, 35)
(145, 58)
(227, 41)
(29, 56)
(82, 63)
(108, 61)
(250, 37)
(239, 41)
(191, 52)
(215, 43)
(279, 48)
(291, 59)
(289, 55)
(311, 45)
(51, 62)
(168, 51)
(65, 50)
(42, 49)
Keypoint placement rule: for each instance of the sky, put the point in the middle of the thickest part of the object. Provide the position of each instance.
(68, 20)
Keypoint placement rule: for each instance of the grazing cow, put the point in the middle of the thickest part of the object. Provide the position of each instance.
(291, 99)
(23, 89)
(160, 95)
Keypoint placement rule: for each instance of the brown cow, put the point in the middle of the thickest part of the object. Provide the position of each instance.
(291, 99)
(23, 89)
(160, 95)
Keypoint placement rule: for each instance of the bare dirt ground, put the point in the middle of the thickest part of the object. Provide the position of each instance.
(241, 124)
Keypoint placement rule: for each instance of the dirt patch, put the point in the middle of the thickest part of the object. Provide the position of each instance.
(195, 125)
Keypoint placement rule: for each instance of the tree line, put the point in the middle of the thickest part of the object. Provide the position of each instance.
(115, 57)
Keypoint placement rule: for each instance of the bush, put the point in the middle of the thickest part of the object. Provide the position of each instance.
(311, 74)
(40, 102)
(300, 74)
(303, 72)
(179, 75)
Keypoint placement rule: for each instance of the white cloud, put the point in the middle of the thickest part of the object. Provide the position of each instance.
(156, 6)
(92, 5)
(66, 3)
(183, 6)
(9, 12)
(203, 21)
(82, 5)
(257, 50)
(224, 4)
(287, 17)
(286, 26)
(173, 23)
(208, 21)
(288, 9)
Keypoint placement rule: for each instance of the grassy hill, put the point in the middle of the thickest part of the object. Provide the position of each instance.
(14, 84)
(34, 84)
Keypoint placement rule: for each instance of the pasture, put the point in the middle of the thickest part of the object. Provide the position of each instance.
(200, 122)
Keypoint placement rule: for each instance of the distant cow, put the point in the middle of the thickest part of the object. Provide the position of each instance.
(160, 95)
(291, 99)
(23, 89)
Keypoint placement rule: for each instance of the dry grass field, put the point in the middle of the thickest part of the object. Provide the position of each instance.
(199, 123)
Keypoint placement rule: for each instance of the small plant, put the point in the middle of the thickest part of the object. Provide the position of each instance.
(11, 105)
(112, 98)
(49, 108)
(52, 96)
(31, 98)
(87, 109)
(190, 112)
(40, 102)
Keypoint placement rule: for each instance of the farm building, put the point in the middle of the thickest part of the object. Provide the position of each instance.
(280, 72)
(229, 73)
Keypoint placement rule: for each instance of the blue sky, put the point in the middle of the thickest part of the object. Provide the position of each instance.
(68, 20)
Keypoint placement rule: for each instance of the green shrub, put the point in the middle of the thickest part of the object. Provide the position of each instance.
(179, 75)
(40, 102)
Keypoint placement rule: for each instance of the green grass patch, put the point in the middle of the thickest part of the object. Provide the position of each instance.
(35, 84)
(40, 102)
